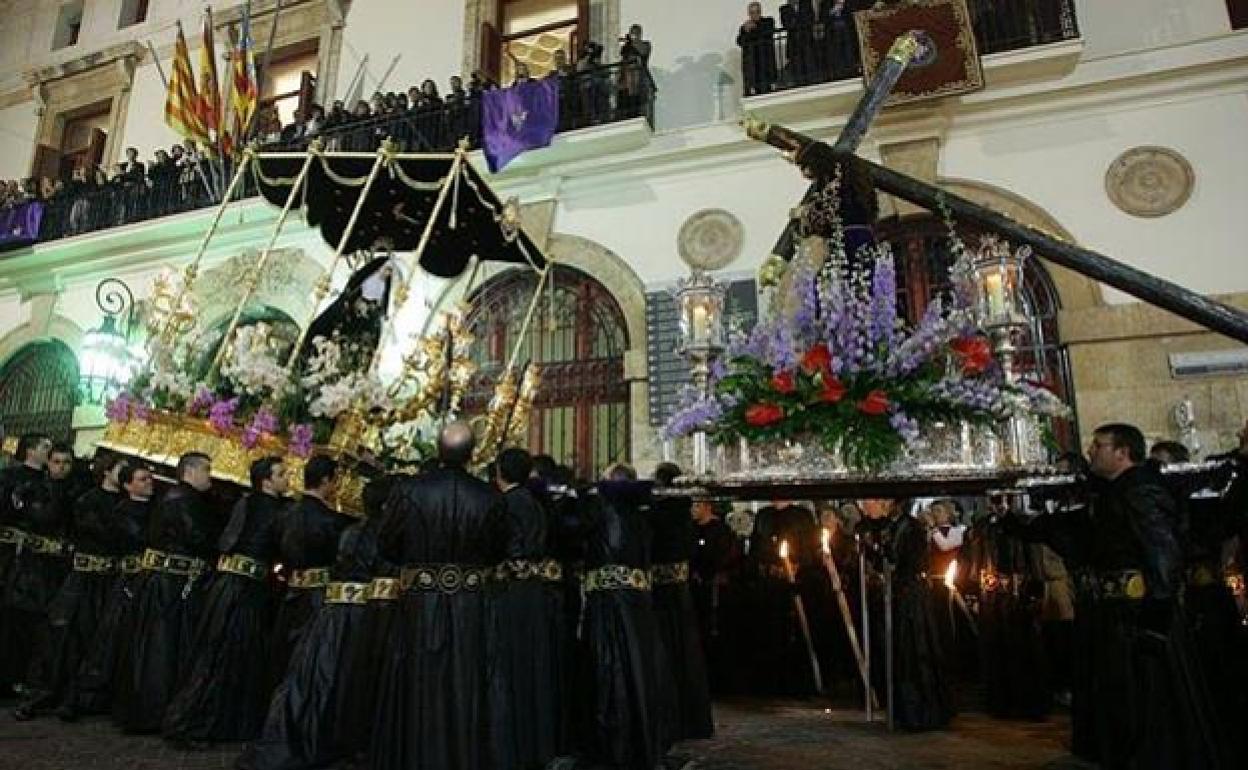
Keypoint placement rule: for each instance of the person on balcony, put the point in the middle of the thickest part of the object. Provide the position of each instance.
(633, 80)
(593, 87)
(840, 36)
(757, 38)
(798, 19)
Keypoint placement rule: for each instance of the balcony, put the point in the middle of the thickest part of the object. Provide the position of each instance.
(604, 110)
(798, 73)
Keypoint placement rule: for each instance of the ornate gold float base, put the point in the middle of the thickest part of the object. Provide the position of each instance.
(165, 437)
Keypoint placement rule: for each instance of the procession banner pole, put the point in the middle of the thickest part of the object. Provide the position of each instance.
(866, 621)
(384, 155)
(192, 270)
(295, 190)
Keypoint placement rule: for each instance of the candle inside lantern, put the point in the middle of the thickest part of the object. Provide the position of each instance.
(784, 550)
(951, 574)
(994, 288)
(825, 538)
(701, 323)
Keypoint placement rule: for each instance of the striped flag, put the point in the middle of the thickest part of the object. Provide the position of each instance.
(244, 90)
(209, 110)
(182, 103)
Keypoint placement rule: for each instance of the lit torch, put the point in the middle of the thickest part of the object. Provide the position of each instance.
(951, 575)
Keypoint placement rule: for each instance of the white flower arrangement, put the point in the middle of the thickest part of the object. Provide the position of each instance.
(175, 387)
(252, 364)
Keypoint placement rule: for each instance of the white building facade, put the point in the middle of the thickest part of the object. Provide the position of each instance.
(1064, 137)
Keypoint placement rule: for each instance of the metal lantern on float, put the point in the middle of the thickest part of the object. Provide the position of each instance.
(700, 302)
(997, 272)
(107, 363)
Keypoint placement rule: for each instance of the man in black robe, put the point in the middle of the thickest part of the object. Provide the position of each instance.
(629, 710)
(43, 510)
(307, 547)
(181, 542)
(1139, 700)
(446, 528)
(524, 703)
(30, 464)
(716, 554)
(672, 547)
(125, 533)
(226, 694)
(75, 613)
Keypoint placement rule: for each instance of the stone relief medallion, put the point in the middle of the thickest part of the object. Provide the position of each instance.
(1150, 181)
(710, 239)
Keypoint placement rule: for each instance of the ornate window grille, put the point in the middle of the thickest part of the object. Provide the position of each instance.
(577, 340)
(39, 390)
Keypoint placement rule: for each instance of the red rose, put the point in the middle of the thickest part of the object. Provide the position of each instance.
(875, 404)
(973, 353)
(782, 382)
(817, 359)
(762, 415)
(833, 390)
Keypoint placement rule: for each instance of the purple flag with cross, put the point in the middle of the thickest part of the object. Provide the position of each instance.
(19, 225)
(520, 118)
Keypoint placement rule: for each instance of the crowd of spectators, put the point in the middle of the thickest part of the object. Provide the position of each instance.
(420, 119)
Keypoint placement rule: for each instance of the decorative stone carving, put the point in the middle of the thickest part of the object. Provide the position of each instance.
(1150, 181)
(710, 239)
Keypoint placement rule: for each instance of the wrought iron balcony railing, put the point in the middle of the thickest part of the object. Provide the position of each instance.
(826, 52)
(608, 94)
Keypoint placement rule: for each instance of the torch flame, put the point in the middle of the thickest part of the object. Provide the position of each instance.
(951, 574)
(825, 538)
(784, 549)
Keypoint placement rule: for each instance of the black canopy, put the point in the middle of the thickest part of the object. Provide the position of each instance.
(398, 208)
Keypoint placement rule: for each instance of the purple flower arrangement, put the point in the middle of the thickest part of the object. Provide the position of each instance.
(832, 361)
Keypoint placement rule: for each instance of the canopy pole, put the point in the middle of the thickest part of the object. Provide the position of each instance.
(384, 155)
(192, 270)
(295, 189)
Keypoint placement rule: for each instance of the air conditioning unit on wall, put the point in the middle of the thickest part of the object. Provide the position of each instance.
(1209, 363)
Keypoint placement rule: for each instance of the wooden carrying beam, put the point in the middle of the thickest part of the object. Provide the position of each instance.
(1185, 303)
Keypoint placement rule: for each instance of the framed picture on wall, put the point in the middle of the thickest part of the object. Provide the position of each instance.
(947, 63)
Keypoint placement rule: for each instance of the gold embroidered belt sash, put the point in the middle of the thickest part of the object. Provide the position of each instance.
(1124, 584)
(130, 565)
(313, 577)
(616, 577)
(85, 562)
(44, 545)
(547, 570)
(172, 563)
(243, 566)
(347, 593)
(1202, 575)
(444, 578)
(384, 589)
(668, 574)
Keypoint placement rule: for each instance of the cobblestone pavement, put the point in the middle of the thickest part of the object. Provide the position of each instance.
(751, 736)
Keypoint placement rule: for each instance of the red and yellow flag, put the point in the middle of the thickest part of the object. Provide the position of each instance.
(244, 90)
(182, 102)
(209, 105)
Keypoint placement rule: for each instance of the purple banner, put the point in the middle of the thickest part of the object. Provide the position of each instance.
(20, 224)
(517, 119)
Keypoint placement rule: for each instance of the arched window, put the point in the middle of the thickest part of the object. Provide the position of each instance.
(577, 340)
(39, 390)
(923, 252)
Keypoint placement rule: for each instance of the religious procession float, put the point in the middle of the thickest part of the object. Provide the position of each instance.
(253, 395)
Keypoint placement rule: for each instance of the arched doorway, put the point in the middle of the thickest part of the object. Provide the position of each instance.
(924, 253)
(39, 390)
(577, 339)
